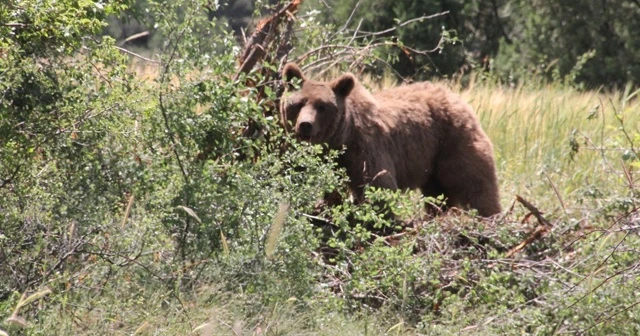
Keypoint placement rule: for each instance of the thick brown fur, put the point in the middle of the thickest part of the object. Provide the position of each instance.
(412, 136)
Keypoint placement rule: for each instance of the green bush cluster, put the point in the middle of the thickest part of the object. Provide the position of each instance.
(136, 203)
(116, 189)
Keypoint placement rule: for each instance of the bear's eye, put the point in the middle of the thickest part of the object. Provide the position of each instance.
(320, 108)
(296, 106)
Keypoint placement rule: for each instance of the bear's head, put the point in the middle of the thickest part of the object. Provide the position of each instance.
(316, 110)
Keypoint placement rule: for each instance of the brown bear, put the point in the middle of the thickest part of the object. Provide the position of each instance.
(412, 136)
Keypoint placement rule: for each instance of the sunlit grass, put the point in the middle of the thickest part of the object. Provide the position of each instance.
(537, 129)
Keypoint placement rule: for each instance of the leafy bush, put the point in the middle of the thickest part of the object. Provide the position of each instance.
(172, 201)
(119, 187)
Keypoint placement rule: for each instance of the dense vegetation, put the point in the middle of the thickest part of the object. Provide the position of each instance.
(587, 42)
(133, 200)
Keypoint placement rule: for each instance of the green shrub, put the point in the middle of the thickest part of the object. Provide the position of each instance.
(138, 203)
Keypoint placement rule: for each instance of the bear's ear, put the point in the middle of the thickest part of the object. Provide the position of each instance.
(343, 85)
(290, 73)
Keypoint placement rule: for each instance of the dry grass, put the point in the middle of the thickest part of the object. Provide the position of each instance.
(537, 129)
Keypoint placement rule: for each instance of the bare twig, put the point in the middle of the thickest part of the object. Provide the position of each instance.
(597, 268)
(537, 233)
(620, 119)
(127, 211)
(555, 190)
(135, 37)
(541, 229)
(136, 55)
(15, 24)
(360, 45)
(353, 11)
(320, 219)
(534, 211)
(608, 318)
(402, 24)
(627, 175)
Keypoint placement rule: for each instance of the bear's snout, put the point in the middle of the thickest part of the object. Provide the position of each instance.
(305, 129)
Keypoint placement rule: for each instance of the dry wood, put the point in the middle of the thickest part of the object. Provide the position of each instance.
(534, 211)
(135, 37)
(537, 233)
(541, 229)
(266, 31)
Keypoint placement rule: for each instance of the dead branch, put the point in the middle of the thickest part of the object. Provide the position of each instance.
(600, 320)
(136, 55)
(13, 25)
(534, 211)
(555, 190)
(256, 53)
(134, 37)
(266, 31)
(537, 233)
(355, 46)
(541, 229)
(402, 24)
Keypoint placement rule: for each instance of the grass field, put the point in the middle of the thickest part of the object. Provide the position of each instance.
(556, 145)
(571, 154)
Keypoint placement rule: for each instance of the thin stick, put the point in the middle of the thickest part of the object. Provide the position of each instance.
(419, 19)
(136, 55)
(537, 233)
(555, 190)
(136, 36)
(534, 211)
(127, 211)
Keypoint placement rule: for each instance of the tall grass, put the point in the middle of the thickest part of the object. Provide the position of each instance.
(550, 137)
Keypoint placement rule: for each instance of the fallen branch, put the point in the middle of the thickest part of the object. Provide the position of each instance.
(537, 233)
(135, 37)
(541, 229)
(534, 211)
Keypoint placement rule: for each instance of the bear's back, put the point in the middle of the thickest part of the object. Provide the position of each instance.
(417, 101)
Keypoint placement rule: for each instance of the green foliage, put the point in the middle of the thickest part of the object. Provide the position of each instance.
(137, 203)
(510, 39)
(55, 129)
(552, 38)
(149, 182)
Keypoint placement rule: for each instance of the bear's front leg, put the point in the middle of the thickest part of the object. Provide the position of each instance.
(383, 178)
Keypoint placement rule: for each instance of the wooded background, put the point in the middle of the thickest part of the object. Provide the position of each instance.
(594, 42)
